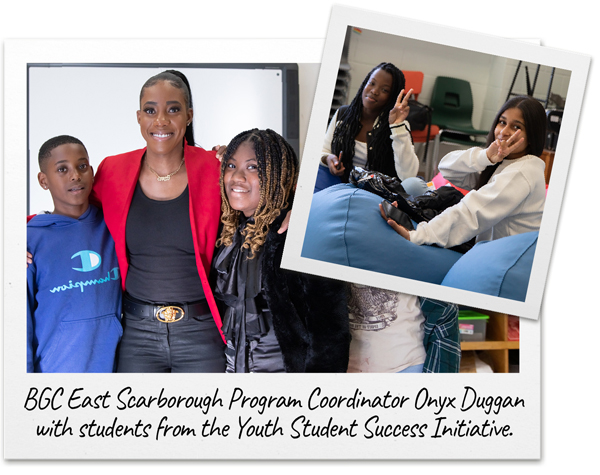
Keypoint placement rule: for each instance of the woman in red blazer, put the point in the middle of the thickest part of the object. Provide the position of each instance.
(162, 206)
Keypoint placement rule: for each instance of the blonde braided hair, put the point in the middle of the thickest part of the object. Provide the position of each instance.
(277, 165)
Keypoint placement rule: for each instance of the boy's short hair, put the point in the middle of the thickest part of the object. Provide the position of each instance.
(51, 144)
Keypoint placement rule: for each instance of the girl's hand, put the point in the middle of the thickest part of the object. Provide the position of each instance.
(285, 223)
(395, 226)
(29, 258)
(335, 165)
(400, 111)
(500, 149)
(220, 149)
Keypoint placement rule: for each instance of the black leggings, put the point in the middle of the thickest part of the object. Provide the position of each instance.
(191, 345)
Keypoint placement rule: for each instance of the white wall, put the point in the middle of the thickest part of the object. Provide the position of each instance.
(98, 105)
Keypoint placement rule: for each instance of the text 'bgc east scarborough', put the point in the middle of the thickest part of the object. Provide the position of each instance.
(264, 416)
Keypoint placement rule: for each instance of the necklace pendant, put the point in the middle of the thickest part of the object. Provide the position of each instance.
(166, 177)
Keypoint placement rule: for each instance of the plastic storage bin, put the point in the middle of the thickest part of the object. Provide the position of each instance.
(472, 325)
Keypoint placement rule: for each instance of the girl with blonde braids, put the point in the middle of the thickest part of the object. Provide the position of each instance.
(273, 320)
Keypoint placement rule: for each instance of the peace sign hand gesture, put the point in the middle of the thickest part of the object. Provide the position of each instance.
(500, 149)
(401, 109)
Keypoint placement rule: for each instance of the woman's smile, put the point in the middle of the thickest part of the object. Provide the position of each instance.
(163, 118)
(160, 136)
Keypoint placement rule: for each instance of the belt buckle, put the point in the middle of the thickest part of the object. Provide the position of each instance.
(169, 314)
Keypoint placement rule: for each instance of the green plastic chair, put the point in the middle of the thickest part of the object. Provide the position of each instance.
(452, 104)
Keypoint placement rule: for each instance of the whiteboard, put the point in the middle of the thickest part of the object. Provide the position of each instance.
(98, 104)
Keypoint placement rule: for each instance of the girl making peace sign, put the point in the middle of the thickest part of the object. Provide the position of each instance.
(372, 132)
(506, 178)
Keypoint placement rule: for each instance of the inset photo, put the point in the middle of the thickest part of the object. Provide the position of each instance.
(436, 161)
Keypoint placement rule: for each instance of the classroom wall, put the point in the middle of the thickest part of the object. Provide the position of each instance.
(490, 76)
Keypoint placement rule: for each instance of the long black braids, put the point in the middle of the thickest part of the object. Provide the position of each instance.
(277, 172)
(180, 81)
(381, 157)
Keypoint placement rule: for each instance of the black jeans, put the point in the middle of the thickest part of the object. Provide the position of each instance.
(191, 345)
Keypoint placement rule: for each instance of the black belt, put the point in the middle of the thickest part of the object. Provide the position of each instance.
(166, 313)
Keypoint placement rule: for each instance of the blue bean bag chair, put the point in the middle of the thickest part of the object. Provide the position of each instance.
(346, 228)
(500, 268)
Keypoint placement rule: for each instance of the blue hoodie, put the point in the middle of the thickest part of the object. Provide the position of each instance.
(73, 295)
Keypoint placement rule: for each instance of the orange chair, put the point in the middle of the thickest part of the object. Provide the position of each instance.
(414, 81)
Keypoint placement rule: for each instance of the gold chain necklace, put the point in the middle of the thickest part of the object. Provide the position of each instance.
(166, 177)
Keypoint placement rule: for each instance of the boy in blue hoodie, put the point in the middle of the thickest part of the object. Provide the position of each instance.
(73, 284)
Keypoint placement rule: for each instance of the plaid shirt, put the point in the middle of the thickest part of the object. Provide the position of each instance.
(442, 339)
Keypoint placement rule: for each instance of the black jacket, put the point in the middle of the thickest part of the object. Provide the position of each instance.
(389, 167)
(309, 313)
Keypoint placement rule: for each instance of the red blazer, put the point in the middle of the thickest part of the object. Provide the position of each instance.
(114, 184)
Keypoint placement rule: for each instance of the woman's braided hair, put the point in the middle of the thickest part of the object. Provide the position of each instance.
(381, 158)
(278, 173)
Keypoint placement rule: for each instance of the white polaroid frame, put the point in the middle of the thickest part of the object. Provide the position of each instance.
(75, 406)
(344, 17)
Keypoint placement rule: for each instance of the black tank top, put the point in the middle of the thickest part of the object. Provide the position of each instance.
(160, 248)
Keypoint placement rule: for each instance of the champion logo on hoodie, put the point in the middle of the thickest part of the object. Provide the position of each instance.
(90, 260)
(111, 275)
